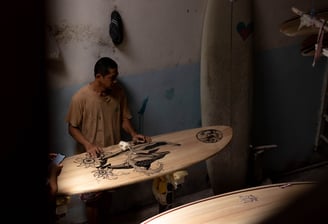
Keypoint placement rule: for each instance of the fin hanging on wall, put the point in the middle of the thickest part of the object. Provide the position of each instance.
(116, 28)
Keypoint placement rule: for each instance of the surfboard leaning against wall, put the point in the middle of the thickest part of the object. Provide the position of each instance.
(226, 78)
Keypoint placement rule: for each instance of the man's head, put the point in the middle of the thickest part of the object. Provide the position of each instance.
(106, 71)
(103, 65)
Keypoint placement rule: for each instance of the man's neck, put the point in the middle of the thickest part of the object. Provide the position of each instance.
(99, 90)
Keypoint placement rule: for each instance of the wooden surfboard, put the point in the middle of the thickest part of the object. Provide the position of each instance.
(291, 28)
(251, 205)
(226, 77)
(119, 166)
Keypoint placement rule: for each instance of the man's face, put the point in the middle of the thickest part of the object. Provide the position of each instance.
(110, 79)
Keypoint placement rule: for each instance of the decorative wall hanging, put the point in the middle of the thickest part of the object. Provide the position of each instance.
(116, 28)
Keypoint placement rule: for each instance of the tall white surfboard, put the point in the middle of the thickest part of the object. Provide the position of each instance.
(226, 87)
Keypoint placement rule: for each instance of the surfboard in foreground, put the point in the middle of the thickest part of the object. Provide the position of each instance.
(125, 164)
(246, 206)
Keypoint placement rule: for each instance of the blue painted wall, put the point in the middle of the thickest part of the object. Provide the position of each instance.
(287, 98)
(161, 102)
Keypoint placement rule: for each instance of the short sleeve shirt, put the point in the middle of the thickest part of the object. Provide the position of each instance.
(99, 118)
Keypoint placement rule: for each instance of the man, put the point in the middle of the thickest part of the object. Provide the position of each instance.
(97, 114)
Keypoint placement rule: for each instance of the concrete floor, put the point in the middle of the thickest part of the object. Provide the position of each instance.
(74, 213)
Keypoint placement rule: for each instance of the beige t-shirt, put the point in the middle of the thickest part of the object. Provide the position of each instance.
(99, 118)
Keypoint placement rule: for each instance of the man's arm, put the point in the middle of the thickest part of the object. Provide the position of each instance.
(54, 171)
(138, 138)
(79, 137)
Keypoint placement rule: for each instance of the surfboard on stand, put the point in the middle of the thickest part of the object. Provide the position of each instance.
(291, 27)
(226, 77)
(125, 164)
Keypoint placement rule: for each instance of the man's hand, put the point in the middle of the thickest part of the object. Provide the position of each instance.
(139, 138)
(94, 151)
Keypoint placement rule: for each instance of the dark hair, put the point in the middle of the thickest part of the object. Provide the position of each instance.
(103, 65)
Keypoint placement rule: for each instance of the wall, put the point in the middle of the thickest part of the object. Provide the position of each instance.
(161, 49)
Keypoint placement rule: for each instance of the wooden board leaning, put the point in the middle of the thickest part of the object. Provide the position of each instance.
(226, 86)
(120, 165)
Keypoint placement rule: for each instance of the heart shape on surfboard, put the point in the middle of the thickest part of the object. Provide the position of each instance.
(244, 30)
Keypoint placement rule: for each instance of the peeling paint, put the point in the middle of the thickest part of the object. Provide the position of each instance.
(65, 33)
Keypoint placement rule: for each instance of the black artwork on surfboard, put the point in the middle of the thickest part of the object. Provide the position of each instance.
(209, 136)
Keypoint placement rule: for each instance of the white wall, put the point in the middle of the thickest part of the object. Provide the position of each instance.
(157, 35)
